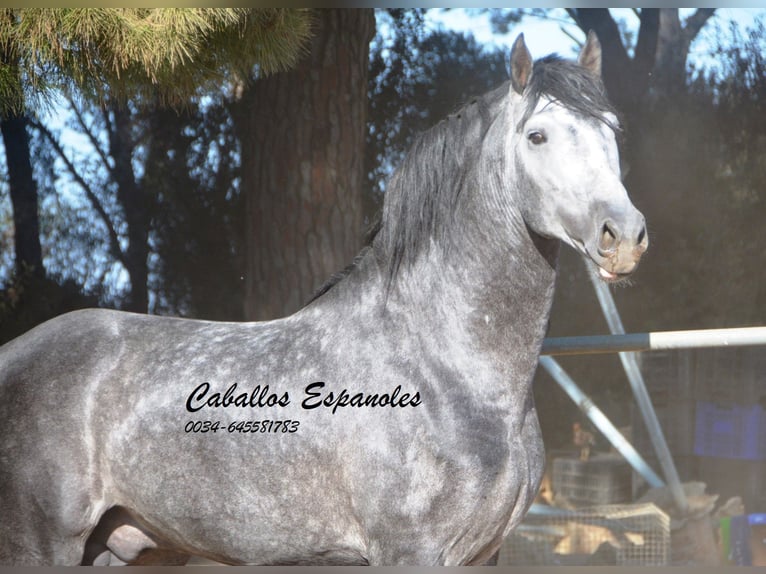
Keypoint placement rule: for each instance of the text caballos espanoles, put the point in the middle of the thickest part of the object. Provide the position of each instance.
(315, 395)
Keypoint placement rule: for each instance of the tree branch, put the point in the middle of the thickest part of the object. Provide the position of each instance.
(571, 36)
(90, 135)
(695, 22)
(601, 22)
(114, 240)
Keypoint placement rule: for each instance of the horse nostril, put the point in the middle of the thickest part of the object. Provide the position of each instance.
(642, 240)
(608, 240)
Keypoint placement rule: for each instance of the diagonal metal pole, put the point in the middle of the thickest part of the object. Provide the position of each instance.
(641, 395)
(597, 416)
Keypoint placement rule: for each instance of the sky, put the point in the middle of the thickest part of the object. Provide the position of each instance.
(543, 37)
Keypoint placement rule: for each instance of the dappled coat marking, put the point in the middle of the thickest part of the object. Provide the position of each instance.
(447, 305)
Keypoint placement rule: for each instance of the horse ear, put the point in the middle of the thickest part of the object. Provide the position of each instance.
(521, 65)
(590, 55)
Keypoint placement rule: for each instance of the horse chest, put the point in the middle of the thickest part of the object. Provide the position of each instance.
(454, 492)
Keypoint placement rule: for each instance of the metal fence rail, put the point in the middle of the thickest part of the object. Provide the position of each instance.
(626, 344)
(595, 344)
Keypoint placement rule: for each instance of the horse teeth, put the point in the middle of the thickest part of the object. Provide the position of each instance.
(606, 274)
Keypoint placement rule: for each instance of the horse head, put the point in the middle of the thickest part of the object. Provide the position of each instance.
(565, 153)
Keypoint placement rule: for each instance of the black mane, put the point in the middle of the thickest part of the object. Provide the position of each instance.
(423, 192)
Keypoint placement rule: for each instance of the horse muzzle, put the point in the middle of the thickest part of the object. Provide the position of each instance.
(618, 246)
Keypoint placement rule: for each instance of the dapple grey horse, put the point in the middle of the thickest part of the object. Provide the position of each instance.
(390, 421)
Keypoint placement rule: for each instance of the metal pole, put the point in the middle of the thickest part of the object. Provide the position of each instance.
(663, 340)
(601, 421)
(641, 395)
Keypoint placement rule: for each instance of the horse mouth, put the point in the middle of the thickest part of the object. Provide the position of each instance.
(610, 271)
(598, 264)
(609, 276)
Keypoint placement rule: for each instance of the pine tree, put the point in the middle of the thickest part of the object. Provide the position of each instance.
(113, 56)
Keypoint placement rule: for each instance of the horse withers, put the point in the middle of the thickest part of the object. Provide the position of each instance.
(390, 421)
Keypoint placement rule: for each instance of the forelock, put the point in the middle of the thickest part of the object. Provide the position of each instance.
(571, 86)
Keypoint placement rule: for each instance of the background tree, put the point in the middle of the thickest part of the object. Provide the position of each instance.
(302, 135)
(22, 186)
(658, 66)
(418, 77)
(110, 56)
(198, 234)
(639, 66)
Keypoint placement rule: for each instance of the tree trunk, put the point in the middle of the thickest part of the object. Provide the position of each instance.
(302, 134)
(23, 190)
(21, 182)
(673, 44)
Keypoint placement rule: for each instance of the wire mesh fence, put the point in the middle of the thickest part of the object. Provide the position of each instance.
(621, 535)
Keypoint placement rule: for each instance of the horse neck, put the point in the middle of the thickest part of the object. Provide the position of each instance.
(491, 271)
(482, 280)
(500, 299)
(490, 287)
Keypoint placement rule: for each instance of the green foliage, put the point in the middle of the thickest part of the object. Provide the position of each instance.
(11, 91)
(122, 53)
(140, 58)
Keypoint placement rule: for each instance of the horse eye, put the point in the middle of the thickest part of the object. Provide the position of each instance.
(537, 138)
